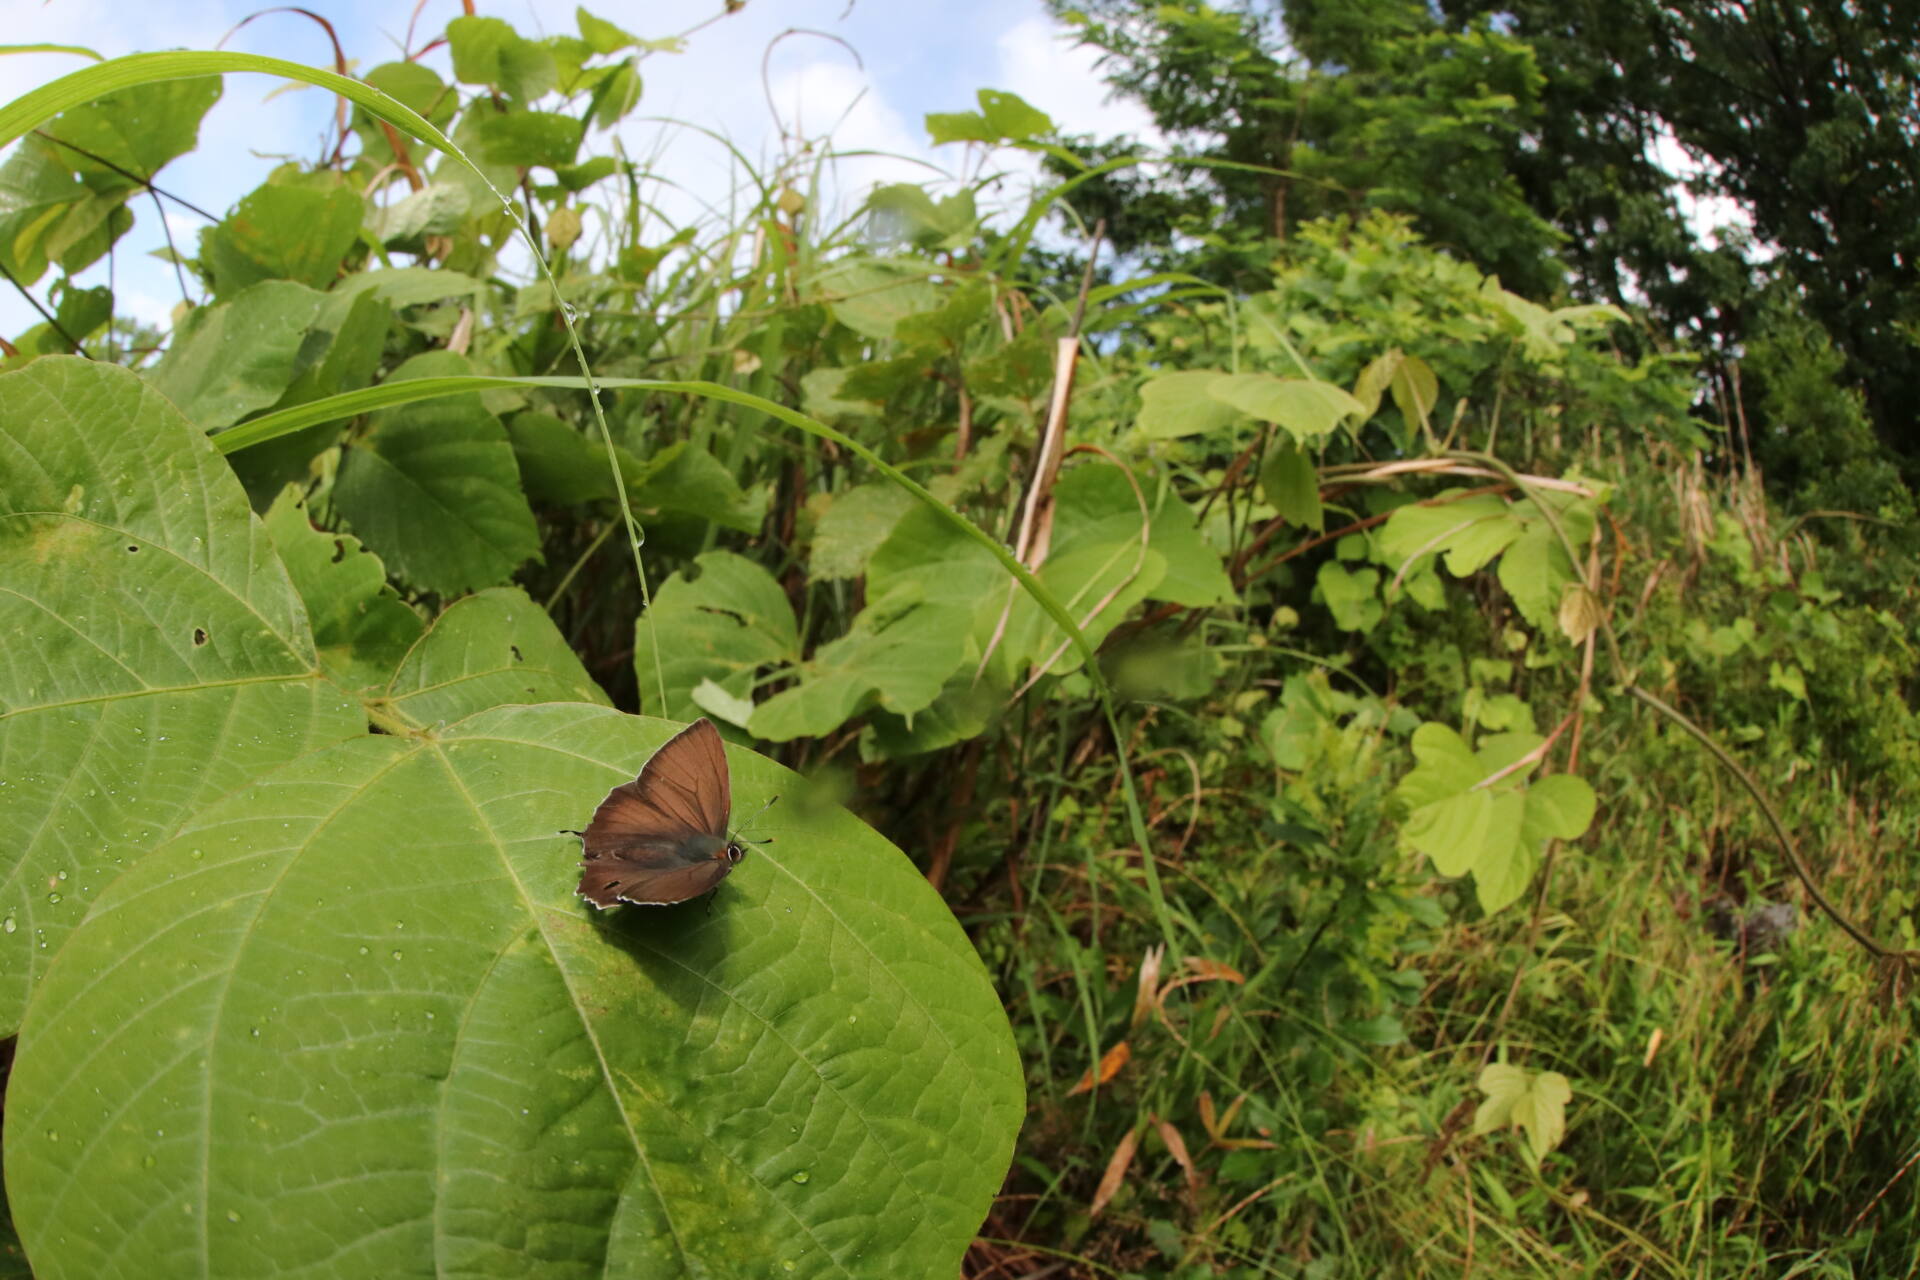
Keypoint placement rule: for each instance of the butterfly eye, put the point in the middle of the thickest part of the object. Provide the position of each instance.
(735, 853)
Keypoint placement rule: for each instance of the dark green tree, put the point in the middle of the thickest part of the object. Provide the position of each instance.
(1378, 106)
(1525, 135)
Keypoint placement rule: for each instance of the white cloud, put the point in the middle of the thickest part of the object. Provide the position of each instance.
(837, 112)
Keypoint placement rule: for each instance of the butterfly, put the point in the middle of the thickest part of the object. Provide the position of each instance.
(662, 838)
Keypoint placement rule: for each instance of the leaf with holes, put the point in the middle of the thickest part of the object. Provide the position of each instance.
(361, 625)
(491, 649)
(354, 1021)
(723, 624)
(156, 653)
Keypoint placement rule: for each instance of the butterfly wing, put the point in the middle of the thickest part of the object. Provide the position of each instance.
(683, 788)
(610, 881)
(662, 838)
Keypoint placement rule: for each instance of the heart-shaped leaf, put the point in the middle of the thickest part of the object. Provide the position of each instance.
(1534, 1101)
(353, 1021)
(1494, 830)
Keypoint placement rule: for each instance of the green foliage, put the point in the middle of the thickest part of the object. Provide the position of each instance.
(1380, 106)
(290, 230)
(1534, 1102)
(1803, 116)
(1297, 791)
(412, 1004)
(434, 491)
(64, 192)
(161, 658)
(1470, 811)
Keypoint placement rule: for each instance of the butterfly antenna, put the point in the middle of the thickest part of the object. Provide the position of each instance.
(756, 817)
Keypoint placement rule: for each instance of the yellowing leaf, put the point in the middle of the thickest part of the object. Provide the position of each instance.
(1535, 1102)
(563, 227)
(1580, 612)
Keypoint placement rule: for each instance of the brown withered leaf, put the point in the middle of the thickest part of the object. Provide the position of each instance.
(1177, 1148)
(1146, 999)
(1116, 1173)
(1110, 1063)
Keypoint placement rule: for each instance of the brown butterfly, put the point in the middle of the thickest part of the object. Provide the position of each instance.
(662, 838)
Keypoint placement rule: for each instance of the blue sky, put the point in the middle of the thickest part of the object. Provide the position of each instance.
(912, 57)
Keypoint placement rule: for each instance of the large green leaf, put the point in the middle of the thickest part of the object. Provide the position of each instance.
(240, 356)
(156, 654)
(1182, 404)
(1100, 582)
(871, 296)
(1471, 531)
(354, 1022)
(283, 231)
(353, 327)
(1097, 505)
(852, 528)
(434, 490)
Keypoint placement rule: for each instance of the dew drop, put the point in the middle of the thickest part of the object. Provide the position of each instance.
(53, 1135)
(787, 1265)
(198, 854)
(233, 1216)
(53, 897)
(9, 924)
(256, 1033)
(397, 953)
(365, 951)
(149, 1162)
(802, 1177)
